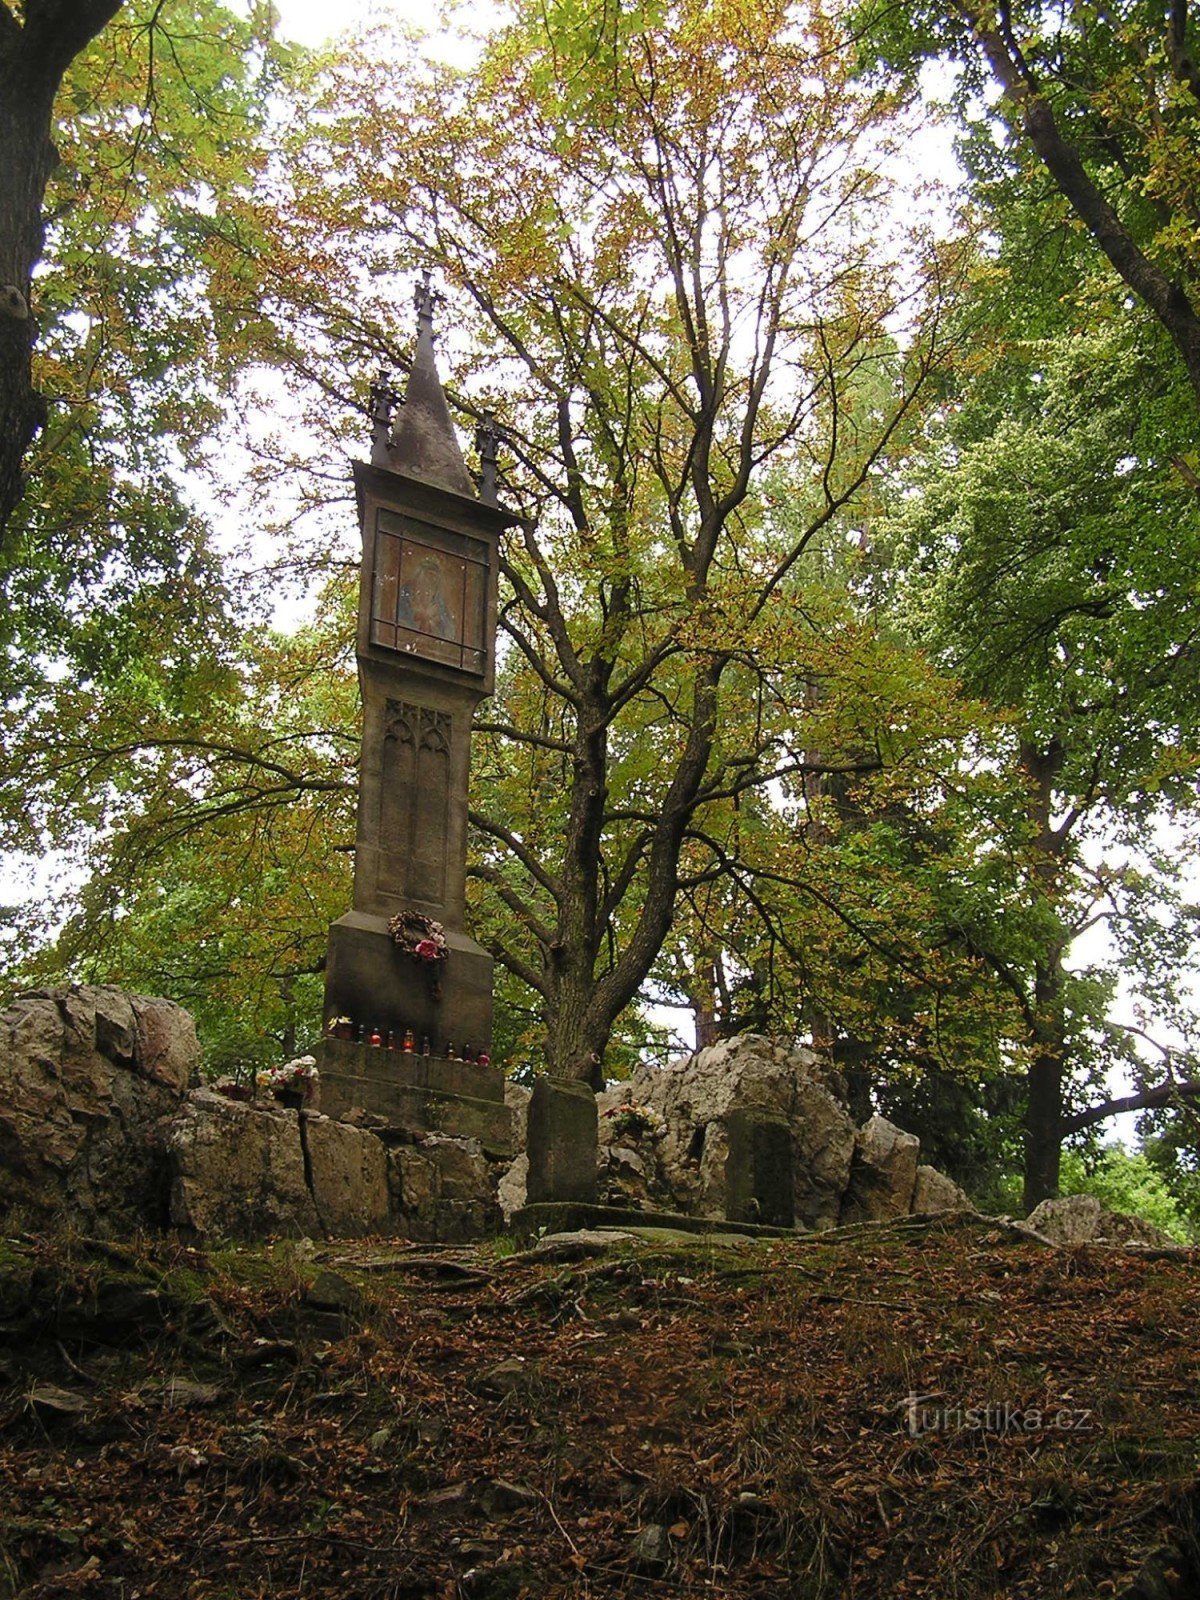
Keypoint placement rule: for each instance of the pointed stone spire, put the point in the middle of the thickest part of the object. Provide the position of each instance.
(424, 444)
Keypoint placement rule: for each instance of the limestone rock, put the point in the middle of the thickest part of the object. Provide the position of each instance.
(579, 1244)
(496, 1497)
(511, 1191)
(883, 1177)
(329, 1291)
(443, 1189)
(414, 1181)
(60, 1402)
(1118, 1227)
(349, 1176)
(516, 1098)
(87, 1075)
(239, 1170)
(462, 1169)
(749, 1073)
(1070, 1219)
(608, 1102)
(1081, 1219)
(936, 1192)
(651, 1549)
(184, 1394)
(250, 1169)
(512, 1376)
(165, 1047)
(627, 1177)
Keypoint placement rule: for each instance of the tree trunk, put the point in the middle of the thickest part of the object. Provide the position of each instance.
(28, 160)
(575, 1043)
(582, 1007)
(33, 59)
(703, 999)
(1048, 1031)
(1044, 1105)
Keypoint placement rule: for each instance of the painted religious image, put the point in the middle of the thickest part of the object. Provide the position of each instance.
(424, 603)
(430, 601)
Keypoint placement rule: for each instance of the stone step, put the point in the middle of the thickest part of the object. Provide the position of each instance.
(404, 1068)
(409, 1109)
(565, 1216)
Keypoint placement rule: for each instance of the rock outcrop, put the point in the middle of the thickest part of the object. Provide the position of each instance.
(517, 1098)
(686, 1167)
(444, 1189)
(934, 1192)
(239, 1170)
(89, 1077)
(100, 1126)
(348, 1176)
(1081, 1219)
(673, 1153)
(883, 1173)
(247, 1170)
(100, 1123)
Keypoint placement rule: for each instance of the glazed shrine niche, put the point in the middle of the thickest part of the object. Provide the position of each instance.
(430, 596)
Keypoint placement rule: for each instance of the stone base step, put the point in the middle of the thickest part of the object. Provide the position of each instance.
(415, 1111)
(344, 1057)
(565, 1216)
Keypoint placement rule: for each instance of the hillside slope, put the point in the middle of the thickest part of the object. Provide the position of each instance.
(656, 1416)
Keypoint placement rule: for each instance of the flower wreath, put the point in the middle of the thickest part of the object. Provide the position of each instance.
(419, 936)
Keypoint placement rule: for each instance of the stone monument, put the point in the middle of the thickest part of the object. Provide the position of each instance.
(426, 657)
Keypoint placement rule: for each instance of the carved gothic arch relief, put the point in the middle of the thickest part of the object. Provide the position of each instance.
(414, 803)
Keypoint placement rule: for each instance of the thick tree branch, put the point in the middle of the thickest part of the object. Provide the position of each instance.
(1163, 1094)
(1166, 298)
(504, 730)
(519, 907)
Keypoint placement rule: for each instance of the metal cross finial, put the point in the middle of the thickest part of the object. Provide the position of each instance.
(487, 442)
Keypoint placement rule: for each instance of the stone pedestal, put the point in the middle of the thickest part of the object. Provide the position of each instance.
(760, 1183)
(417, 1095)
(561, 1142)
(370, 979)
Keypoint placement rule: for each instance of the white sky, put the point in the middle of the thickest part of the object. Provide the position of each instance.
(315, 22)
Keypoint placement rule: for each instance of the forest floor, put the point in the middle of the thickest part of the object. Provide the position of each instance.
(660, 1416)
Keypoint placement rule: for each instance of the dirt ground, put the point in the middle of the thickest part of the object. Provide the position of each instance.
(945, 1410)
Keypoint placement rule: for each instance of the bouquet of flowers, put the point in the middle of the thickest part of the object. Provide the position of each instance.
(419, 936)
(636, 1119)
(298, 1077)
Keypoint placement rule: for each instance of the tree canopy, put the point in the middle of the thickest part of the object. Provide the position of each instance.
(847, 661)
